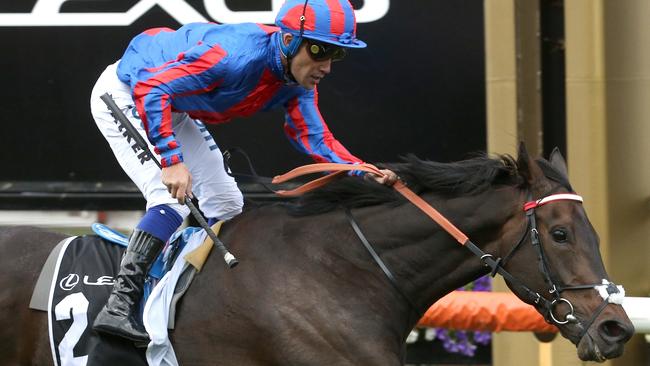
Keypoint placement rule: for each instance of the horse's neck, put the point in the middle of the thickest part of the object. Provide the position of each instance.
(426, 261)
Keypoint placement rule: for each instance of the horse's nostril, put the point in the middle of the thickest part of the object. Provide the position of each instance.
(614, 330)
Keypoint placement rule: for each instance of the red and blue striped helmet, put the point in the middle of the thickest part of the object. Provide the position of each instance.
(329, 21)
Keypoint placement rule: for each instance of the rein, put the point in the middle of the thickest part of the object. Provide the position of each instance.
(606, 289)
(340, 169)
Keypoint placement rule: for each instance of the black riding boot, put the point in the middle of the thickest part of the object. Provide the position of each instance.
(120, 315)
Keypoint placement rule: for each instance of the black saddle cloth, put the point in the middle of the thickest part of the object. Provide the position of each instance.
(87, 267)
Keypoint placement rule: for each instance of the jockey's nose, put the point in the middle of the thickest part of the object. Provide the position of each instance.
(326, 66)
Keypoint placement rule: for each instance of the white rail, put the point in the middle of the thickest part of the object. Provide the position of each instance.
(638, 309)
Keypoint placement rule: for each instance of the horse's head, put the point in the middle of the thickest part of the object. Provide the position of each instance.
(560, 262)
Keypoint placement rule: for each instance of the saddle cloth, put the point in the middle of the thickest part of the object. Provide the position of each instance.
(77, 279)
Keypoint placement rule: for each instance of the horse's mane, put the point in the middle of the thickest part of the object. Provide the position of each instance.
(462, 178)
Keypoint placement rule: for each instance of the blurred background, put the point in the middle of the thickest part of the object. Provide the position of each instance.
(443, 79)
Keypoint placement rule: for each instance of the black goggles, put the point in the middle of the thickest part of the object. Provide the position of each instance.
(323, 51)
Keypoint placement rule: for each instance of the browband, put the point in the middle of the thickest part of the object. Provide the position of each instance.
(554, 197)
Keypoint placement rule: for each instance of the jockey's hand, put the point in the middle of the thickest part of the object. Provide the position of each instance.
(389, 178)
(178, 180)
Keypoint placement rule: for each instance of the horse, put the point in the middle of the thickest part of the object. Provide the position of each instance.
(307, 292)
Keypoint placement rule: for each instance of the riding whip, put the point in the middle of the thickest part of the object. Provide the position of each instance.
(230, 259)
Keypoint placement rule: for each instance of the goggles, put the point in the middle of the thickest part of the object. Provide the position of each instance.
(319, 51)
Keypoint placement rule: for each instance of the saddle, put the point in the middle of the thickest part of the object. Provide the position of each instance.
(161, 266)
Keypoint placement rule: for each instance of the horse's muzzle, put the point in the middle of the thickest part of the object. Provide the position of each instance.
(605, 341)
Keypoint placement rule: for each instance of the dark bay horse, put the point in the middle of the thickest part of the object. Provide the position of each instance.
(307, 292)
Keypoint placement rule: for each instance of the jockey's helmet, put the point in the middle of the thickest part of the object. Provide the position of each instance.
(328, 21)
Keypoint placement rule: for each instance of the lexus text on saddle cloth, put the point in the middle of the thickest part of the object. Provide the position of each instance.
(48, 13)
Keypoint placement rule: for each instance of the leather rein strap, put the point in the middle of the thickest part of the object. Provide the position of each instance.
(337, 172)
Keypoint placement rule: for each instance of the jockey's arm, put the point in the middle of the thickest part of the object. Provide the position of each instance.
(308, 133)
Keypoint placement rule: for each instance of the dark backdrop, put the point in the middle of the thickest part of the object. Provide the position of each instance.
(419, 87)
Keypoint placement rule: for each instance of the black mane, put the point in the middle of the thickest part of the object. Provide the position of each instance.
(462, 178)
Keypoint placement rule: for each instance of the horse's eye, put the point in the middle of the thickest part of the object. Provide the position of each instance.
(559, 235)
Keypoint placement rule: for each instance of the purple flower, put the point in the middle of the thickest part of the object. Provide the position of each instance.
(464, 342)
(482, 337)
(483, 284)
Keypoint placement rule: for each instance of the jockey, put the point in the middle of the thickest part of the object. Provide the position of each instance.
(169, 83)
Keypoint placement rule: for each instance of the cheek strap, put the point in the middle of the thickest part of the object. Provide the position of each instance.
(291, 49)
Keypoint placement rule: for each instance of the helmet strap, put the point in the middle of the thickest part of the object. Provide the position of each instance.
(288, 54)
(288, 76)
(292, 48)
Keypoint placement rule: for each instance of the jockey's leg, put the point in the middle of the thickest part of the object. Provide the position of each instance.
(163, 216)
(120, 315)
(217, 193)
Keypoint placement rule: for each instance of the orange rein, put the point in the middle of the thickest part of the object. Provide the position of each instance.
(337, 171)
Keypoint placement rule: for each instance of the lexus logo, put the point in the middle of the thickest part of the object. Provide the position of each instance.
(48, 13)
(69, 282)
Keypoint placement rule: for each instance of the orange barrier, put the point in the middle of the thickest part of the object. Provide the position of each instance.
(489, 311)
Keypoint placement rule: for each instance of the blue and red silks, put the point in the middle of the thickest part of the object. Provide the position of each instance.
(214, 73)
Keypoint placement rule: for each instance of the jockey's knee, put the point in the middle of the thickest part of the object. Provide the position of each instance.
(233, 206)
(222, 203)
(182, 210)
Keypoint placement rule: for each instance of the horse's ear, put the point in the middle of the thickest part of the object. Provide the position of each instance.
(526, 166)
(557, 161)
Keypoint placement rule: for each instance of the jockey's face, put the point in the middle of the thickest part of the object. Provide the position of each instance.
(308, 72)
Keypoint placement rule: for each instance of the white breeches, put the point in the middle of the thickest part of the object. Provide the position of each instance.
(218, 194)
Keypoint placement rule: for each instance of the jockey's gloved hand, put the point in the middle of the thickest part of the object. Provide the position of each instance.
(178, 180)
(388, 178)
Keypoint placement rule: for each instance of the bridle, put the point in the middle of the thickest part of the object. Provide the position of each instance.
(610, 292)
(497, 265)
(606, 288)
